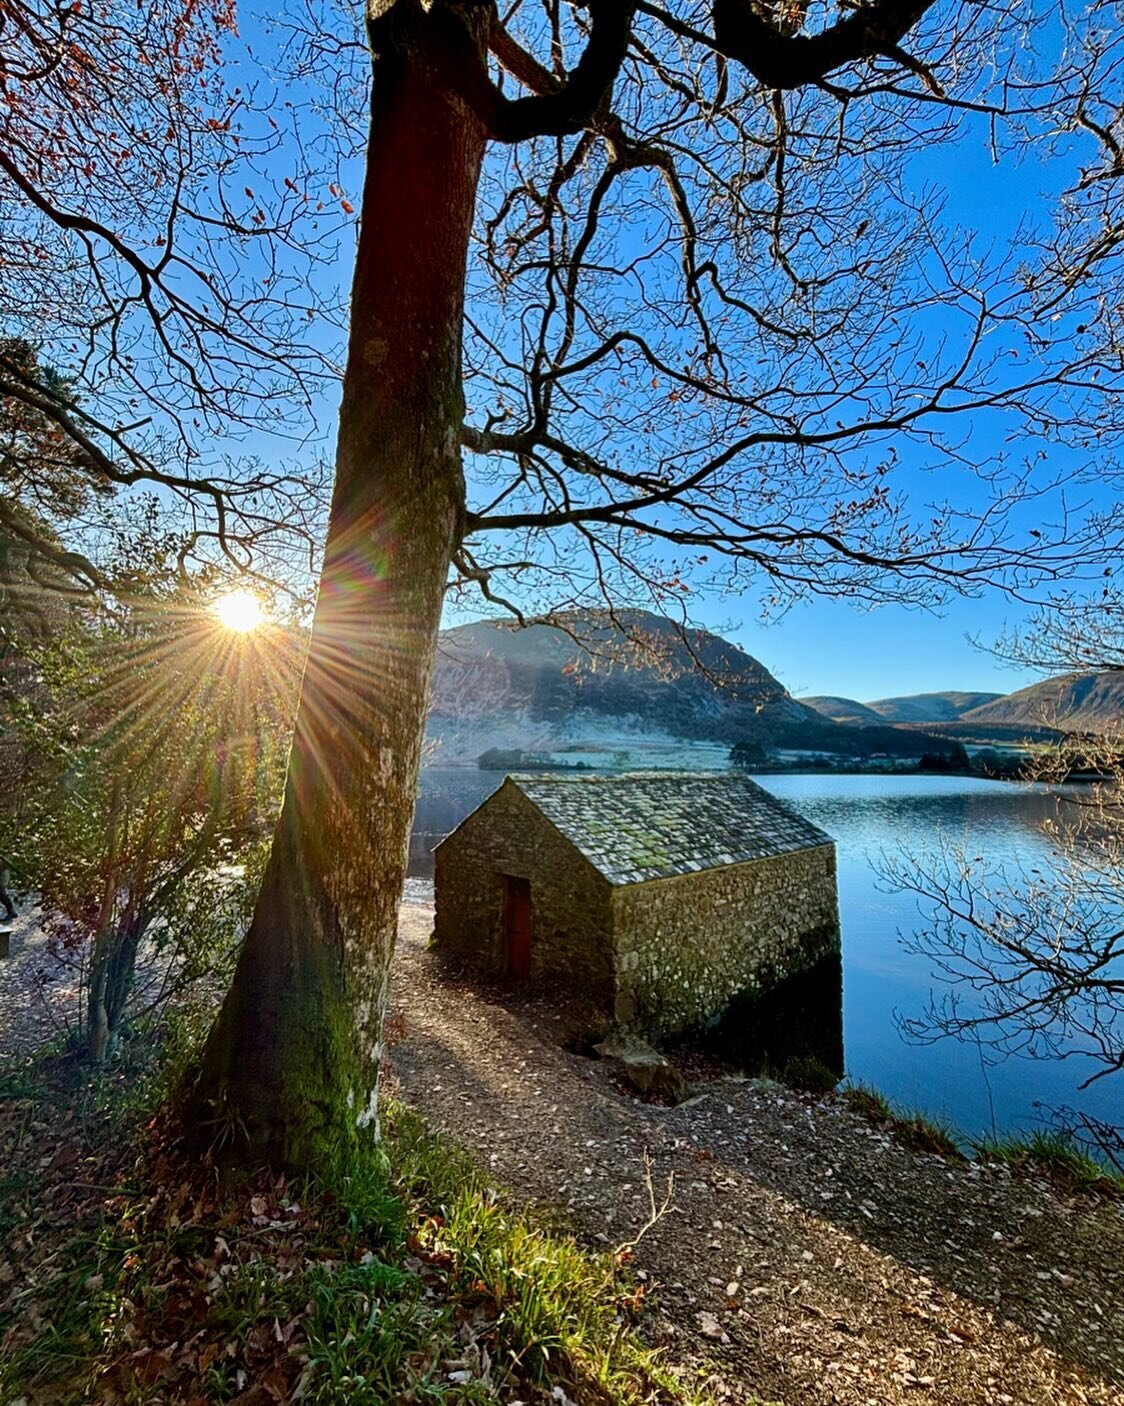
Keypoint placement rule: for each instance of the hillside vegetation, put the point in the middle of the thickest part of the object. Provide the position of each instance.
(912, 708)
(544, 688)
(1070, 703)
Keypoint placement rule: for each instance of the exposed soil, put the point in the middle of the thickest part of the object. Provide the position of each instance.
(806, 1257)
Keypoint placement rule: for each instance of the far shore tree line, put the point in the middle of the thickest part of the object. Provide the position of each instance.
(646, 300)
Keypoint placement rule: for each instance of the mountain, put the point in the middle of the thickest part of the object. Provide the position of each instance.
(929, 707)
(843, 710)
(914, 708)
(1071, 703)
(622, 684)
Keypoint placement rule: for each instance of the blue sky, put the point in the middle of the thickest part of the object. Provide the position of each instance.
(831, 647)
(839, 647)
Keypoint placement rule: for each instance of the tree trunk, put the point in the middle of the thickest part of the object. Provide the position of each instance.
(97, 1015)
(121, 973)
(113, 964)
(290, 1070)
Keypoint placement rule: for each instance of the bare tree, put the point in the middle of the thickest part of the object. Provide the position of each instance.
(711, 335)
(1032, 958)
(151, 307)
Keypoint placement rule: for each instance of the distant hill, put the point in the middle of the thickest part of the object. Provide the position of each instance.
(1070, 703)
(586, 687)
(843, 710)
(929, 707)
(914, 708)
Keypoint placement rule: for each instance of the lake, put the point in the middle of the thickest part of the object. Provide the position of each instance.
(871, 815)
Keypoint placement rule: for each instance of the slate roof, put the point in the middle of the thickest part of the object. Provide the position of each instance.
(654, 825)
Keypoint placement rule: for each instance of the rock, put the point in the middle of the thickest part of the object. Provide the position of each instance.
(710, 1327)
(648, 1071)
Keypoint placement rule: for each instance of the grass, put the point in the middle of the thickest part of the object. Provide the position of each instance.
(809, 1075)
(868, 1103)
(558, 1310)
(923, 1134)
(1055, 1155)
(127, 1276)
(1049, 1152)
(911, 1129)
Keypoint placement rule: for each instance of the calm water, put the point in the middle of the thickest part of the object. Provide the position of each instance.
(869, 816)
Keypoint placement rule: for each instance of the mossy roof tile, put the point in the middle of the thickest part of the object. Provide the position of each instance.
(656, 825)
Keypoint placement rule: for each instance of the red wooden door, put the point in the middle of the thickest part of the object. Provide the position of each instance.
(517, 926)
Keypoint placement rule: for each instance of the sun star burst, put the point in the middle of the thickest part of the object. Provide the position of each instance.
(240, 611)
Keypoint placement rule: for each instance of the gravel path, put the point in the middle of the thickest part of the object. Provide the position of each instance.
(807, 1257)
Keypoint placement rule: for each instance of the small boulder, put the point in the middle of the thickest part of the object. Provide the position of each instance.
(648, 1071)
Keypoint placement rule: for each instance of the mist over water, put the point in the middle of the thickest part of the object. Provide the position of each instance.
(869, 816)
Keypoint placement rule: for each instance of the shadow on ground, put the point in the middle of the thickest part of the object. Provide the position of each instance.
(808, 1255)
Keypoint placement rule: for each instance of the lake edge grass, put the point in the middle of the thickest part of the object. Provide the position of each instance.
(1049, 1152)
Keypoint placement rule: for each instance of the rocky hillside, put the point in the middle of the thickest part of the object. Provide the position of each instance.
(592, 686)
(1081, 703)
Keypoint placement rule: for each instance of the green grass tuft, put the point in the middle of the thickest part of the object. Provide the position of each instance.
(402, 1275)
(868, 1103)
(1056, 1156)
(558, 1311)
(911, 1129)
(923, 1134)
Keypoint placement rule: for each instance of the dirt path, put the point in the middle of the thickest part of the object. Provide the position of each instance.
(807, 1257)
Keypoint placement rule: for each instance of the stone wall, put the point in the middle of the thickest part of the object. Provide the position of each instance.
(686, 946)
(571, 904)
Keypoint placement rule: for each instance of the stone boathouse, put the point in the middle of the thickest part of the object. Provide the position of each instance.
(659, 896)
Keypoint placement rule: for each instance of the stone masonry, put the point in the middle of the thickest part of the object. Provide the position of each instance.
(685, 947)
(658, 897)
(571, 901)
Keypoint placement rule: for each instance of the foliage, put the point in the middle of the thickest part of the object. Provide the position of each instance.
(1002, 766)
(911, 1129)
(159, 1285)
(154, 744)
(721, 335)
(868, 1103)
(748, 754)
(1054, 1153)
(808, 1074)
(922, 1134)
(953, 757)
(45, 482)
(515, 759)
(558, 1311)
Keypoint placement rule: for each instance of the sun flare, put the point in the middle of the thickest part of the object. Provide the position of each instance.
(240, 611)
